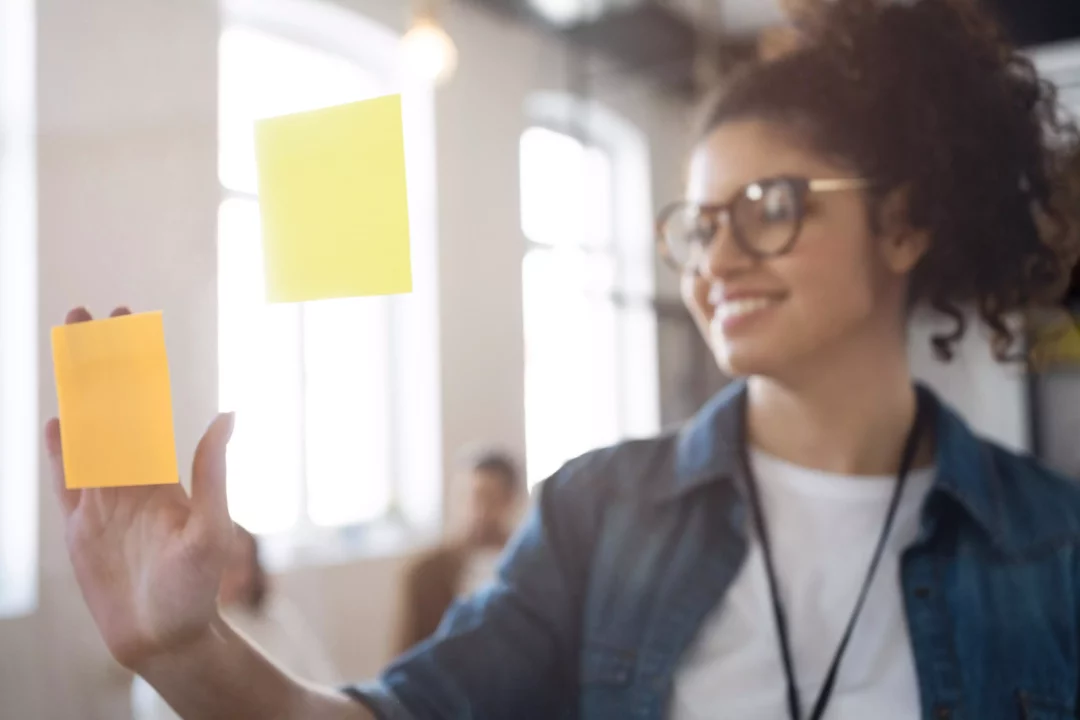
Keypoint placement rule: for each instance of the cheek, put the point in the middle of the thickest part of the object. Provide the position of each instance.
(830, 279)
(695, 295)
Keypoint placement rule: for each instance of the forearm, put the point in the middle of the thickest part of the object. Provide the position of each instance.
(221, 676)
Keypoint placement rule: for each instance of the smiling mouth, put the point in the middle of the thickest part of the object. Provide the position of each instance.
(733, 309)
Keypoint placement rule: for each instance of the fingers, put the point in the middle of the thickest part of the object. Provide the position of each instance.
(209, 504)
(81, 314)
(78, 315)
(69, 499)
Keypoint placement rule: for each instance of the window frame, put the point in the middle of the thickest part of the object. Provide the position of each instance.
(632, 249)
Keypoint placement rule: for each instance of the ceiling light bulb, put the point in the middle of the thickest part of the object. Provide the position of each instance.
(429, 51)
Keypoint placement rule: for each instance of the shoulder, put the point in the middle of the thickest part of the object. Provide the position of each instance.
(627, 469)
(572, 505)
(1037, 506)
(1031, 484)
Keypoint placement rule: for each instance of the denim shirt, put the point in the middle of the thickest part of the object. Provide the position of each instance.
(628, 549)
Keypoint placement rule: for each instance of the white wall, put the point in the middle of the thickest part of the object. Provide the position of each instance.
(128, 198)
(990, 395)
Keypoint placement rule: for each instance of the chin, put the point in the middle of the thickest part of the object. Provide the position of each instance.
(736, 359)
(746, 357)
(735, 365)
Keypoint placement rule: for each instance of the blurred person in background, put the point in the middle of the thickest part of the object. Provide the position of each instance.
(466, 561)
(264, 617)
(825, 538)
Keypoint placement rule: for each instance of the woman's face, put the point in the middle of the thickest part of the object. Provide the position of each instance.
(774, 316)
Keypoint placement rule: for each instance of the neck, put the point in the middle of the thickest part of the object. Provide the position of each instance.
(852, 416)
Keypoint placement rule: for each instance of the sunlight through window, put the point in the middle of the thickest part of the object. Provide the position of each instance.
(310, 383)
(578, 329)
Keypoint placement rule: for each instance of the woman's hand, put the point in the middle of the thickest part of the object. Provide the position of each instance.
(149, 559)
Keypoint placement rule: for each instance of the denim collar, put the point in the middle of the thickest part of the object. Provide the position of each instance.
(706, 451)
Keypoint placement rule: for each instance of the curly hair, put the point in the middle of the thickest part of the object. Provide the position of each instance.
(930, 97)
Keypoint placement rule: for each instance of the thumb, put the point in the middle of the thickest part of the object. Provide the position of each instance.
(210, 508)
(69, 499)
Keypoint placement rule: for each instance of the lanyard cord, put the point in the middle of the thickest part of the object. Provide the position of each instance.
(825, 694)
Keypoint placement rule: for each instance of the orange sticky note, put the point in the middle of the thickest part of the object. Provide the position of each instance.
(112, 382)
(333, 201)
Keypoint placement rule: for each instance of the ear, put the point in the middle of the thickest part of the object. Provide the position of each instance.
(901, 244)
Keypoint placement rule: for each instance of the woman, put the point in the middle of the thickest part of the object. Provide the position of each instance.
(263, 617)
(823, 539)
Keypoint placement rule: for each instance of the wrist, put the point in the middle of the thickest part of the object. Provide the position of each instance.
(195, 650)
(220, 674)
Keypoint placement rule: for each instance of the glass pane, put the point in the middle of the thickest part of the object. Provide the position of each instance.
(263, 75)
(571, 362)
(259, 365)
(566, 190)
(347, 402)
(551, 187)
(599, 201)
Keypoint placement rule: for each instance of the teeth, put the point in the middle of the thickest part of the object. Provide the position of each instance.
(743, 306)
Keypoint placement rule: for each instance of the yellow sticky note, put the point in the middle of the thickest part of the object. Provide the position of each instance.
(335, 218)
(112, 382)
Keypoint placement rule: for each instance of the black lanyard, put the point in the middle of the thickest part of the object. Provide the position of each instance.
(824, 695)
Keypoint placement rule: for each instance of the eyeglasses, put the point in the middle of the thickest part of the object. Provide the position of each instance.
(764, 218)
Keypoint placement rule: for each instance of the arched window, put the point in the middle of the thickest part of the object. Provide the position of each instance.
(588, 282)
(328, 394)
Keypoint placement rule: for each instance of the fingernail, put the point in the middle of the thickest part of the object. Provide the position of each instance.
(76, 315)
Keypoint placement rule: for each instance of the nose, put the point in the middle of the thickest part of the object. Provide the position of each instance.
(724, 258)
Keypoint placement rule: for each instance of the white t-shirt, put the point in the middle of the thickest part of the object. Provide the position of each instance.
(823, 528)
